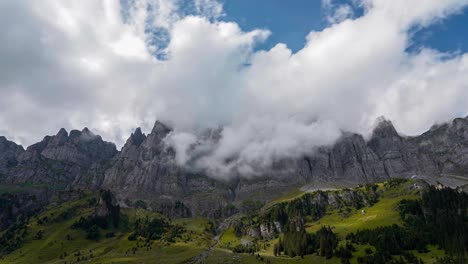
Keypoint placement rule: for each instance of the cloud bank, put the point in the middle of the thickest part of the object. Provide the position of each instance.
(116, 65)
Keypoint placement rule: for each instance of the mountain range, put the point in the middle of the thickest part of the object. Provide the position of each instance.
(145, 169)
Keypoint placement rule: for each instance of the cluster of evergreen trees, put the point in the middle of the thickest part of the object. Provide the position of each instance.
(152, 229)
(439, 217)
(13, 237)
(297, 242)
(155, 229)
(91, 224)
(10, 208)
(384, 258)
(250, 249)
(446, 215)
(392, 239)
(113, 216)
(305, 205)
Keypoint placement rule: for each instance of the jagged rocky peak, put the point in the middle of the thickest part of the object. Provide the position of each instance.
(6, 145)
(88, 135)
(456, 129)
(384, 129)
(85, 134)
(460, 123)
(82, 147)
(62, 133)
(155, 139)
(61, 137)
(160, 129)
(136, 138)
(8, 152)
(62, 159)
(39, 146)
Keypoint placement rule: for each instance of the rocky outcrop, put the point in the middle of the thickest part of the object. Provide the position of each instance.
(146, 169)
(290, 215)
(62, 160)
(9, 151)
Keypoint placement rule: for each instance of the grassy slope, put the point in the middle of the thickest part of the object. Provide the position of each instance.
(228, 239)
(383, 213)
(107, 250)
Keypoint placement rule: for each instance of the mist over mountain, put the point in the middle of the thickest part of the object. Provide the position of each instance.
(151, 168)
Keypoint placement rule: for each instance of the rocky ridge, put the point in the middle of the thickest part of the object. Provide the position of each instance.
(145, 169)
(60, 160)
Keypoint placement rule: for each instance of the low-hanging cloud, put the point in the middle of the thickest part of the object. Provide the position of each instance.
(115, 65)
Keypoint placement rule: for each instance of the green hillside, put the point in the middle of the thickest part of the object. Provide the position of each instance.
(72, 231)
(343, 221)
(60, 243)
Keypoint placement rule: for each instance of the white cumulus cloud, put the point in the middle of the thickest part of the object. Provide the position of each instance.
(115, 65)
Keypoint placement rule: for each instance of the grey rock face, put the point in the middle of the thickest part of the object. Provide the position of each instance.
(9, 151)
(145, 168)
(387, 154)
(62, 159)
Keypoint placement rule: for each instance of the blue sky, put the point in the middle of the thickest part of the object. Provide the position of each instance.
(291, 21)
(448, 35)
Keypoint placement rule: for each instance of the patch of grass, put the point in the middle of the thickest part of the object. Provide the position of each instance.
(229, 239)
(383, 213)
(430, 257)
(225, 256)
